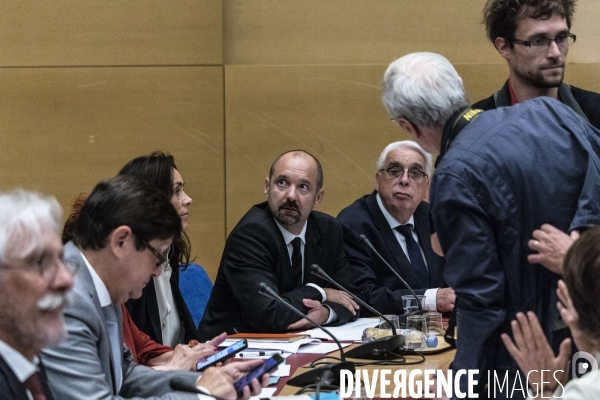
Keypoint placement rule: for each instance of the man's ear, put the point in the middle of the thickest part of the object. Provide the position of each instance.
(266, 191)
(408, 127)
(319, 196)
(120, 240)
(503, 47)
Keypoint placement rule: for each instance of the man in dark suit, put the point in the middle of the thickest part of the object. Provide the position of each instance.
(402, 179)
(34, 283)
(276, 242)
(534, 38)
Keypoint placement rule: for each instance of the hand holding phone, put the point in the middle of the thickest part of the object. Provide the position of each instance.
(222, 355)
(268, 366)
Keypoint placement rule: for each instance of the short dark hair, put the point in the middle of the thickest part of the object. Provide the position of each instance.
(501, 16)
(125, 200)
(319, 168)
(157, 169)
(581, 273)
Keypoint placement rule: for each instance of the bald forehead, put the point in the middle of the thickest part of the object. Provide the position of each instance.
(289, 157)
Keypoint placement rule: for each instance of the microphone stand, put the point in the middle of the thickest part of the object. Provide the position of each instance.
(402, 317)
(310, 377)
(386, 348)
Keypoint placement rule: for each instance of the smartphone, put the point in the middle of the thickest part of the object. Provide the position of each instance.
(222, 355)
(266, 367)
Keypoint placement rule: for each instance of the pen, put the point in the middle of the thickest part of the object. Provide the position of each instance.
(250, 354)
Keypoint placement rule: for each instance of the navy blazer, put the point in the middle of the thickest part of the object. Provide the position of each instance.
(376, 284)
(255, 252)
(12, 388)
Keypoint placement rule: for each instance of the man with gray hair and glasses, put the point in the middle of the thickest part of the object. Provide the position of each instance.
(34, 281)
(500, 175)
(395, 219)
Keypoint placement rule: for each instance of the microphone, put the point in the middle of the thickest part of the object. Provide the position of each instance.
(380, 349)
(310, 377)
(181, 384)
(403, 316)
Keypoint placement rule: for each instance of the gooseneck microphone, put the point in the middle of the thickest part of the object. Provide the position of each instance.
(381, 349)
(318, 271)
(311, 376)
(368, 243)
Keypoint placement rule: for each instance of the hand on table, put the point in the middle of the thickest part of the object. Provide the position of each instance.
(343, 298)
(444, 299)
(317, 312)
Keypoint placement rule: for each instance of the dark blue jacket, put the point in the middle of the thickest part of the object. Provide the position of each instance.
(506, 173)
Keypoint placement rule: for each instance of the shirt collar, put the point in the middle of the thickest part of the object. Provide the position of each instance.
(390, 218)
(101, 290)
(288, 236)
(22, 367)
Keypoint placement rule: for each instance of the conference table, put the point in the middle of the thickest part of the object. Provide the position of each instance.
(439, 360)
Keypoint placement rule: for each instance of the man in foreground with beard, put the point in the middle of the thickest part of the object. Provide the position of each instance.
(276, 242)
(34, 282)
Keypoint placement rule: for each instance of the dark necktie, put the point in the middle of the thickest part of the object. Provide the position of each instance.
(297, 262)
(414, 253)
(34, 385)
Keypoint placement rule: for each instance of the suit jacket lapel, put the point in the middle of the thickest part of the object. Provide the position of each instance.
(424, 241)
(73, 254)
(312, 252)
(15, 387)
(46, 387)
(398, 256)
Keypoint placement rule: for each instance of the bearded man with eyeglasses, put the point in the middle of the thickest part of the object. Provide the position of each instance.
(395, 218)
(534, 38)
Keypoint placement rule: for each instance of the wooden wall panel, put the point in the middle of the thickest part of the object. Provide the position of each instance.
(352, 31)
(364, 32)
(110, 32)
(64, 129)
(334, 112)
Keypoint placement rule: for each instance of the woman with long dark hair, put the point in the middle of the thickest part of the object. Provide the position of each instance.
(161, 312)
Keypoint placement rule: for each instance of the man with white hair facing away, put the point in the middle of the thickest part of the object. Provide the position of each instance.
(34, 281)
(500, 175)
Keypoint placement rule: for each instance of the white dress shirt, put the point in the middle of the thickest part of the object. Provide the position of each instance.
(288, 237)
(170, 324)
(20, 366)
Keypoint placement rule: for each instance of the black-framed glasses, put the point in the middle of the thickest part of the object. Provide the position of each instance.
(562, 40)
(396, 172)
(163, 260)
(46, 267)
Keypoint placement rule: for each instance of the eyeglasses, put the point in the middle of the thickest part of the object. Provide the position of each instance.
(562, 40)
(163, 260)
(46, 267)
(395, 172)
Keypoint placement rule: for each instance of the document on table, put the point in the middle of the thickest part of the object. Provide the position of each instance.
(321, 348)
(288, 347)
(348, 331)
